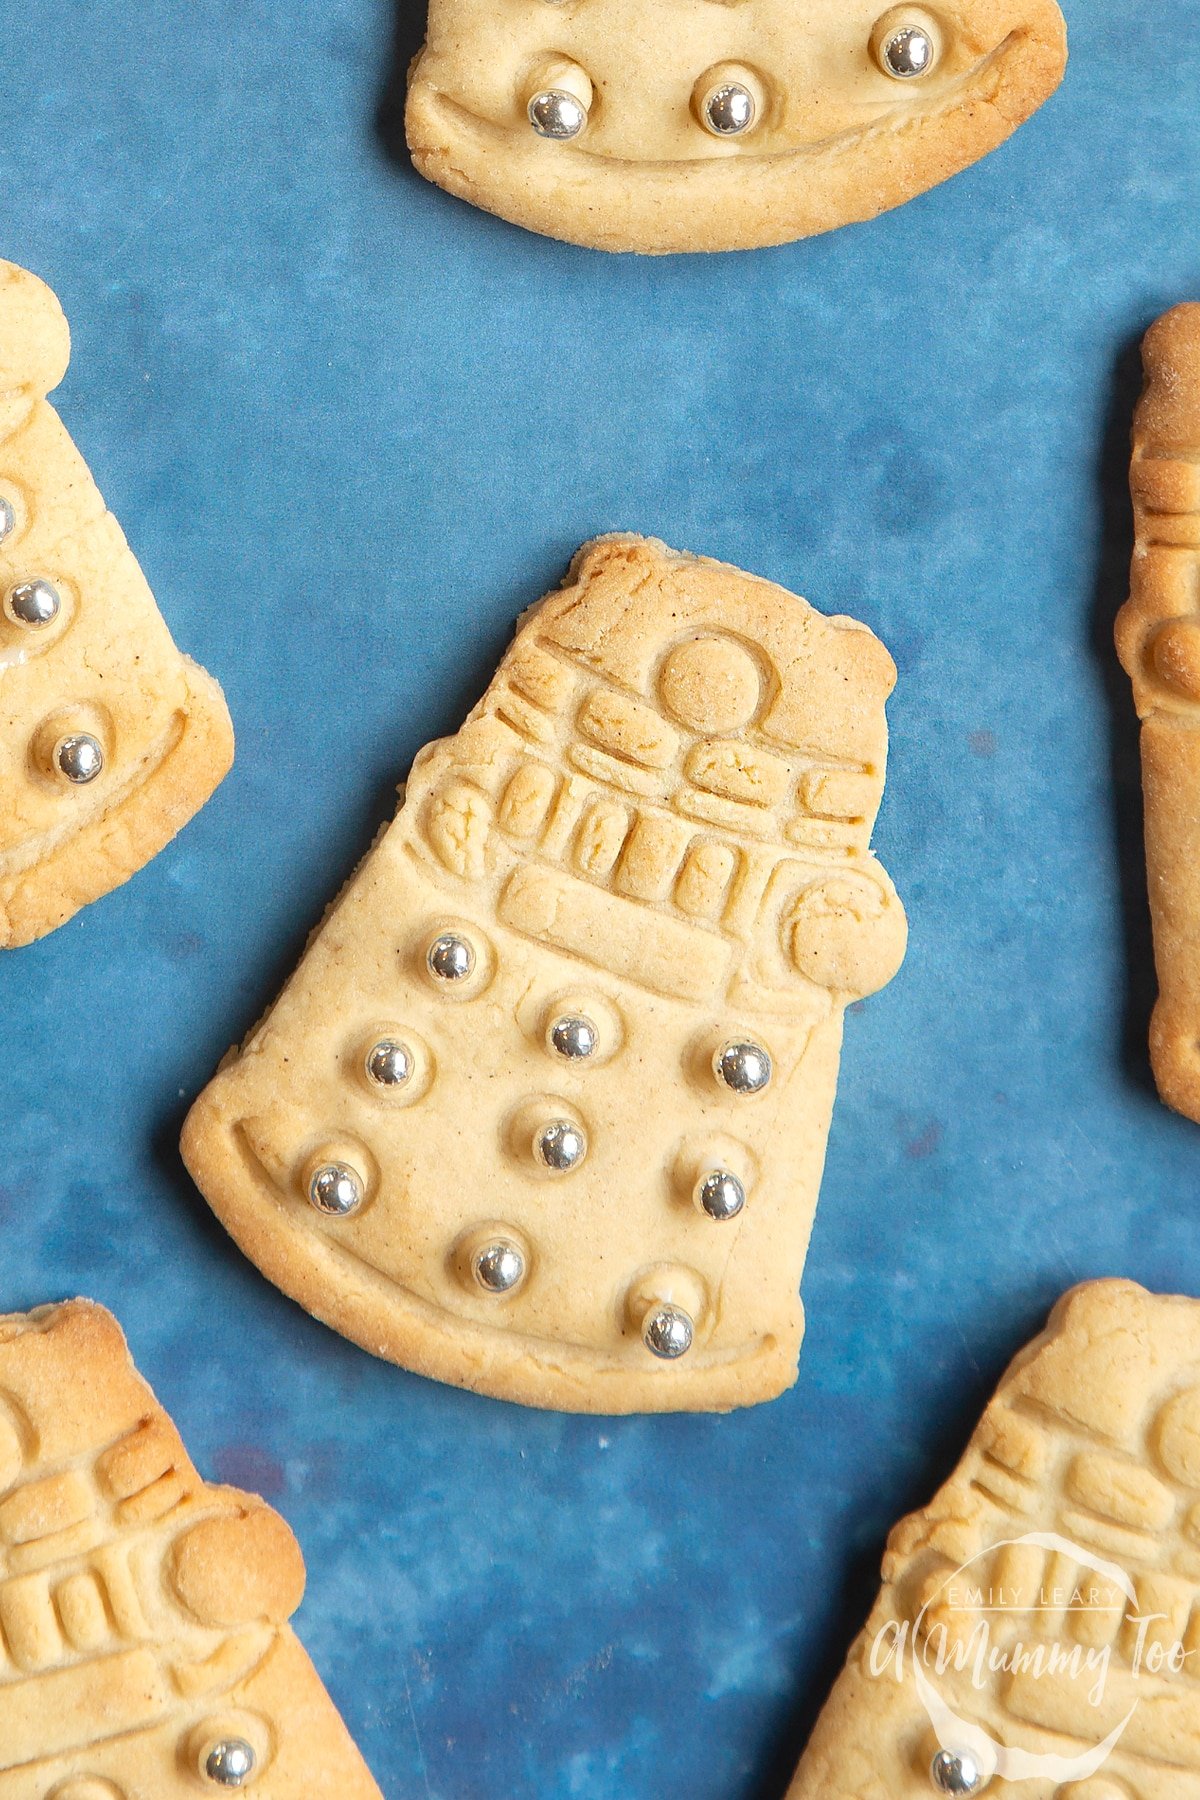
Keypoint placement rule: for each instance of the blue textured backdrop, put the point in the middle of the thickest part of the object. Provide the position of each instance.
(350, 427)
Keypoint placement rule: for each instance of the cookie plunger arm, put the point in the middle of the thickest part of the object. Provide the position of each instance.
(1158, 640)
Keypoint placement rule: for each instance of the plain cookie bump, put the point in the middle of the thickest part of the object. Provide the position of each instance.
(110, 739)
(146, 1651)
(543, 1112)
(680, 125)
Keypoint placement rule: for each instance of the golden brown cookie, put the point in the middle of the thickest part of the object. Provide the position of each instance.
(109, 739)
(145, 1650)
(718, 124)
(1158, 639)
(543, 1111)
(1038, 1630)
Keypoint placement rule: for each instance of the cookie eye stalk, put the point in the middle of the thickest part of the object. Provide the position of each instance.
(906, 43)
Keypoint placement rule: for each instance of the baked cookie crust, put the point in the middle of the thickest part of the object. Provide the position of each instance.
(649, 847)
(1037, 1627)
(147, 1650)
(85, 660)
(835, 138)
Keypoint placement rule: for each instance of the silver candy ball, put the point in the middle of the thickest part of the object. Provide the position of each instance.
(720, 1195)
(743, 1068)
(78, 757)
(389, 1063)
(729, 110)
(33, 603)
(574, 1037)
(956, 1772)
(230, 1762)
(556, 114)
(667, 1332)
(907, 53)
(560, 1146)
(451, 958)
(498, 1267)
(8, 518)
(335, 1188)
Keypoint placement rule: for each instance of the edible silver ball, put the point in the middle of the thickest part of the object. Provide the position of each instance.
(8, 518)
(498, 1267)
(667, 1332)
(720, 1195)
(556, 114)
(909, 52)
(451, 958)
(560, 1146)
(33, 603)
(956, 1772)
(230, 1762)
(335, 1188)
(78, 757)
(729, 110)
(743, 1068)
(574, 1037)
(389, 1063)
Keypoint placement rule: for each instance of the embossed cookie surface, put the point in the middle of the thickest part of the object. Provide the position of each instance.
(718, 124)
(1038, 1629)
(144, 1645)
(543, 1112)
(1158, 639)
(109, 739)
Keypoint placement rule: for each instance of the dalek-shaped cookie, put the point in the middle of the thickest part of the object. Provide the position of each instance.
(683, 125)
(544, 1110)
(110, 739)
(1038, 1631)
(1158, 639)
(144, 1646)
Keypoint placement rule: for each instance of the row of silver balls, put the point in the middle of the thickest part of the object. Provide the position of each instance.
(730, 109)
(498, 1268)
(33, 605)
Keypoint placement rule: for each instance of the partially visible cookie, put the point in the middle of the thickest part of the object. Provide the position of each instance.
(1158, 639)
(109, 739)
(1038, 1630)
(660, 125)
(543, 1111)
(145, 1650)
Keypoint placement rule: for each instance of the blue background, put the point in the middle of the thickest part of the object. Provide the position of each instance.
(351, 426)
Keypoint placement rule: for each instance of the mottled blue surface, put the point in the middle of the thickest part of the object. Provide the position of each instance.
(350, 427)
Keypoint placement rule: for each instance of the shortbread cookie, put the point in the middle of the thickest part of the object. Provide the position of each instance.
(1054, 1579)
(1158, 638)
(543, 1111)
(145, 1650)
(109, 739)
(718, 124)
